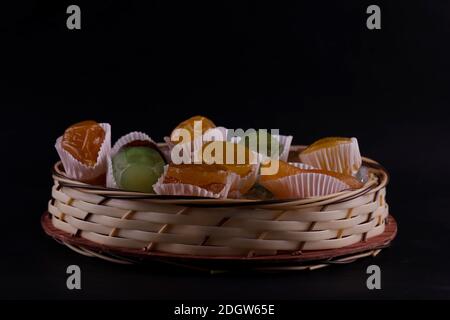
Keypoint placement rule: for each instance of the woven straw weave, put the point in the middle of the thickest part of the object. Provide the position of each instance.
(211, 227)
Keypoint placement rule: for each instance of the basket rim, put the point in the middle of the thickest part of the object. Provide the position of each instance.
(346, 195)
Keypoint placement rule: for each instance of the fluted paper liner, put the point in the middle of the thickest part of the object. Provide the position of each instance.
(76, 170)
(123, 141)
(286, 142)
(344, 158)
(304, 185)
(181, 189)
(240, 186)
(110, 180)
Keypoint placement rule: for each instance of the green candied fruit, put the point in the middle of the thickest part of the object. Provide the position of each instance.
(137, 168)
(266, 144)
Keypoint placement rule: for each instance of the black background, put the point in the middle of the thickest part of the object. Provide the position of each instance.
(310, 68)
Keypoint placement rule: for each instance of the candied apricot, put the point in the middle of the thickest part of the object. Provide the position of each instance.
(234, 157)
(189, 125)
(326, 143)
(334, 154)
(196, 174)
(83, 141)
(285, 170)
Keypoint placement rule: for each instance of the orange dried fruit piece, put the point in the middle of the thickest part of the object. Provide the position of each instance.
(241, 169)
(211, 177)
(235, 158)
(285, 169)
(349, 180)
(334, 154)
(83, 141)
(325, 143)
(189, 125)
(245, 172)
(291, 182)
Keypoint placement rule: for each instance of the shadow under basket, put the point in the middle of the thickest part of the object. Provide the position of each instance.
(130, 227)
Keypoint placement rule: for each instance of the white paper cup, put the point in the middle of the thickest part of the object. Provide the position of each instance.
(304, 185)
(76, 170)
(181, 189)
(344, 158)
(286, 142)
(240, 186)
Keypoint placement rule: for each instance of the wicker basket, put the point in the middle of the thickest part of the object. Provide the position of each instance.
(219, 228)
